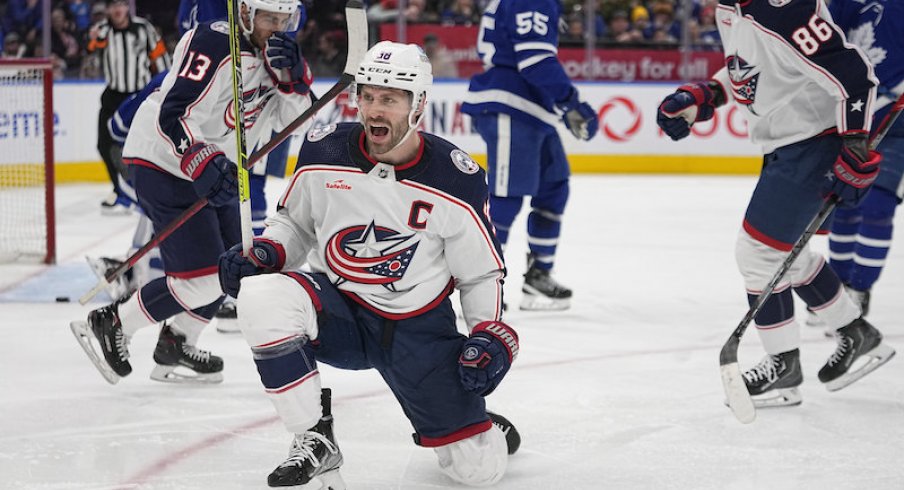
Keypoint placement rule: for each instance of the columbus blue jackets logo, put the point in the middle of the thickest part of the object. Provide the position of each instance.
(370, 254)
(255, 100)
(744, 78)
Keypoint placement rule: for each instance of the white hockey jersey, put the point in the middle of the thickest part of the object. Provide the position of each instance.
(791, 69)
(195, 102)
(395, 239)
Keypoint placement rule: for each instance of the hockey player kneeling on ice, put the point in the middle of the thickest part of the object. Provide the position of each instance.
(808, 100)
(182, 148)
(389, 221)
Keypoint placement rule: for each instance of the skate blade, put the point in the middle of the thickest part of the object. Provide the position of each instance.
(84, 336)
(538, 302)
(782, 397)
(874, 358)
(331, 480)
(169, 374)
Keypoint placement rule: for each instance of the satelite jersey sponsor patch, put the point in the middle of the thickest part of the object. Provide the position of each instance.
(463, 161)
(320, 132)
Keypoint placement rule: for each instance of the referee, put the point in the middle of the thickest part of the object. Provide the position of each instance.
(131, 53)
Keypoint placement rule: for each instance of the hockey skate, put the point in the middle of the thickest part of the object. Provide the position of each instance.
(227, 317)
(859, 297)
(313, 455)
(119, 288)
(541, 291)
(858, 340)
(173, 353)
(774, 381)
(108, 338)
(512, 437)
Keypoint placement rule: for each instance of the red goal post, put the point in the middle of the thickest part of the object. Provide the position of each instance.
(27, 214)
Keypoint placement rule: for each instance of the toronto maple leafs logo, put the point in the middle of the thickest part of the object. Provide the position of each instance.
(744, 79)
(864, 36)
(370, 254)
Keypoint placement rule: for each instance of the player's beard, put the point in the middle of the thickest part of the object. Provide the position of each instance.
(385, 143)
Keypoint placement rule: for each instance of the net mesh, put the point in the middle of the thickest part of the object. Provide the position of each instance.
(23, 217)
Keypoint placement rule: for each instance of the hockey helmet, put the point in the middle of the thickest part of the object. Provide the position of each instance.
(295, 10)
(400, 66)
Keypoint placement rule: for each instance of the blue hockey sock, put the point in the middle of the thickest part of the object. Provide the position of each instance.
(821, 289)
(842, 241)
(160, 304)
(873, 239)
(544, 223)
(777, 310)
(503, 211)
(284, 364)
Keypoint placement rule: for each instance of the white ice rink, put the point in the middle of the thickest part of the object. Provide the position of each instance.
(620, 392)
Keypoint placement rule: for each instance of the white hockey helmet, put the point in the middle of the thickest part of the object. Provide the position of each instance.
(400, 66)
(290, 7)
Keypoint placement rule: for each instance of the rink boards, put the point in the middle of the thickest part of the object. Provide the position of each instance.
(628, 142)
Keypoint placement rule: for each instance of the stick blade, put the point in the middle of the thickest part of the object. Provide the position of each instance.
(736, 393)
(356, 21)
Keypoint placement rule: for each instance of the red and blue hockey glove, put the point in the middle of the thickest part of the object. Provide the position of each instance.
(286, 65)
(579, 117)
(691, 103)
(265, 256)
(213, 175)
(853, 172)
(486, 356)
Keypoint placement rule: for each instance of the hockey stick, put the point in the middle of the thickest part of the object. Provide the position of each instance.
(739, 399)
(238, 113)
(356, 21)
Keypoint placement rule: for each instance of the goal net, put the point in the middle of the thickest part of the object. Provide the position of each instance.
(26, 161)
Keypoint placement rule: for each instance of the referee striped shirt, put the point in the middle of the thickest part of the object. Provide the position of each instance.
(130, 56)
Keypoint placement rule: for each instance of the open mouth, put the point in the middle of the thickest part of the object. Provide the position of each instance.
(379, 131)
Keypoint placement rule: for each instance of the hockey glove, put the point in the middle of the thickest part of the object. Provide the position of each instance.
(286, 65)
(692, 102)
(486, 356)
(213, 175)
(265, 256)
(853, 172)
(579, 117)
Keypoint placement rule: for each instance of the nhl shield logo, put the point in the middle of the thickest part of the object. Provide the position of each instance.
(779, 3)
(464, 162)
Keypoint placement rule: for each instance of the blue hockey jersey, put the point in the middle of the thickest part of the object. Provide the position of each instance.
(877, 28)
(518, 43)
(194, 12)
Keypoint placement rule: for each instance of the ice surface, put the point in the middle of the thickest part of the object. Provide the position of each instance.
(620, 392)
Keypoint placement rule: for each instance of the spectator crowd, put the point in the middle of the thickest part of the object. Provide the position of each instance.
(621, 23)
